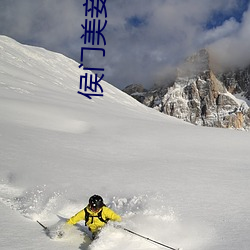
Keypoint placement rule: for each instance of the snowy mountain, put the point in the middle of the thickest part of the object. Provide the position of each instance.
(182, 185)
(201, 96)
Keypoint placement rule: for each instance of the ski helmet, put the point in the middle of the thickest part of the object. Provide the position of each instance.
(95, 202)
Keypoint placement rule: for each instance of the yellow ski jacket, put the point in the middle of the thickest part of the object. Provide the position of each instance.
(94, 223)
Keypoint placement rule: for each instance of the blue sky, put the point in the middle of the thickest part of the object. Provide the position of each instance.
(218, 17)
(146, 39)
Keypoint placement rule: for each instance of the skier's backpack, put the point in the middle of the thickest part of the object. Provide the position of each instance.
(88, 216)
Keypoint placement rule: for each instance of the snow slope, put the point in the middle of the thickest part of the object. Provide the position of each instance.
(173, 182)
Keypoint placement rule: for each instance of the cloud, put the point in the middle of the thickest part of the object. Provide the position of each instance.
(233, 49)
(48, 23)
(228, 28)
(145, 38)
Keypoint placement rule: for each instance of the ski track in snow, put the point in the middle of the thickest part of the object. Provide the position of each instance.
(42, 116)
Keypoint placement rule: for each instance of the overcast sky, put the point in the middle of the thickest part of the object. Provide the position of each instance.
(145, 39)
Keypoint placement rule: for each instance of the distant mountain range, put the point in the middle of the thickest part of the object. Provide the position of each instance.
(201, 94)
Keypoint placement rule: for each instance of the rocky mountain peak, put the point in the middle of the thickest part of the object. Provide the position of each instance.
(196, 64)
(202, 97)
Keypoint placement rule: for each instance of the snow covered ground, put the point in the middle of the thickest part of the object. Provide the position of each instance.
(181, 185)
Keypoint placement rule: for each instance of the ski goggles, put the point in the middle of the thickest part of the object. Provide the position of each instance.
(94, 208)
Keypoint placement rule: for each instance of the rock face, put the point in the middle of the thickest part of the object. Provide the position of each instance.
(137, 91)
(237, 81)
(201, 97)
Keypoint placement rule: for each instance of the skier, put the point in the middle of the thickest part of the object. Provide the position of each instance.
(95, 214)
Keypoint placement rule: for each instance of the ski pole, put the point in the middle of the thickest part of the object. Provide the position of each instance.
(45, 228)
(146, 238)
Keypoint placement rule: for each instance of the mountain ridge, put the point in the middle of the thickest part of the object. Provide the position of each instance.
(200, 95)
